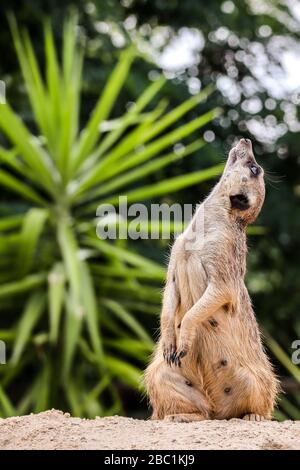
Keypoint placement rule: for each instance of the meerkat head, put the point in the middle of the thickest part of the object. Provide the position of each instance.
(243, 182)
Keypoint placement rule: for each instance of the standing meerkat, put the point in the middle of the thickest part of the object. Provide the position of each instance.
(210, 362)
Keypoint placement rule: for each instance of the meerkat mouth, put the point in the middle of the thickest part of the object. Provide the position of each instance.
(239, 201)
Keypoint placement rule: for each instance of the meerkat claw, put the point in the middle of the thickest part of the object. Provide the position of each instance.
(172, 357)
(177, 356)
(168, 353)
(169, 358)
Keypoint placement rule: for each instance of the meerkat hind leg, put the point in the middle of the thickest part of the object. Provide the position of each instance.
(171, 394)
(185, 417)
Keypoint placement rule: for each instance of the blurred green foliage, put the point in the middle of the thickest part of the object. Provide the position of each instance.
(70, 299)
(237, 41)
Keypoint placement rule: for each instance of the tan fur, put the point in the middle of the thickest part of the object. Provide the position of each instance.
(210, 362)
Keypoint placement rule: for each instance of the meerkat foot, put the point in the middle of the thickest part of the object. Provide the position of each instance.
(184, 417)
(254, 417)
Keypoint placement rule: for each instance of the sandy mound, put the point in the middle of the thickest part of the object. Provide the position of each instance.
(56, 430)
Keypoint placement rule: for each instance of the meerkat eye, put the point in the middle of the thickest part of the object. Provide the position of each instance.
(254, 170)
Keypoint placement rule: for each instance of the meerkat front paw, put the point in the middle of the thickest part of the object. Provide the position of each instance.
(183, 348)
(178, 355)
(186, 339)
(169, 349)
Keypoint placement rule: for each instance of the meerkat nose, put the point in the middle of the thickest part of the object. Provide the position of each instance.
(246, 141)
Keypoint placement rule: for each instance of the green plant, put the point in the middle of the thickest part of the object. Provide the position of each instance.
(74, 304)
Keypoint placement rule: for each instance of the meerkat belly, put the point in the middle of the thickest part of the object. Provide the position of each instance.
(233, 373)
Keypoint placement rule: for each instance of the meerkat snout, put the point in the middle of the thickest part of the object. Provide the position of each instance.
(247, 142)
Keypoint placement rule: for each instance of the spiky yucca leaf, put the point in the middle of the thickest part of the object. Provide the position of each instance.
(76, 303)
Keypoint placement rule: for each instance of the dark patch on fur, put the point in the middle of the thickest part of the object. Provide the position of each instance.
(213, 322)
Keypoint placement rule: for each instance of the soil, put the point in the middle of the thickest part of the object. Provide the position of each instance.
(56, 430)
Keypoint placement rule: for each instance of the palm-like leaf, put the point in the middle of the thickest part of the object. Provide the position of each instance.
(97, 290)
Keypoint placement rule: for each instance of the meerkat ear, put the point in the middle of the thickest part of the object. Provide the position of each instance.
(232, 157)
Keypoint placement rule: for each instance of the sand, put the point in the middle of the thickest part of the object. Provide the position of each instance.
(56, 430)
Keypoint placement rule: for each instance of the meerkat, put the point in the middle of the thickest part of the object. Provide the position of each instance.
(210, 362)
